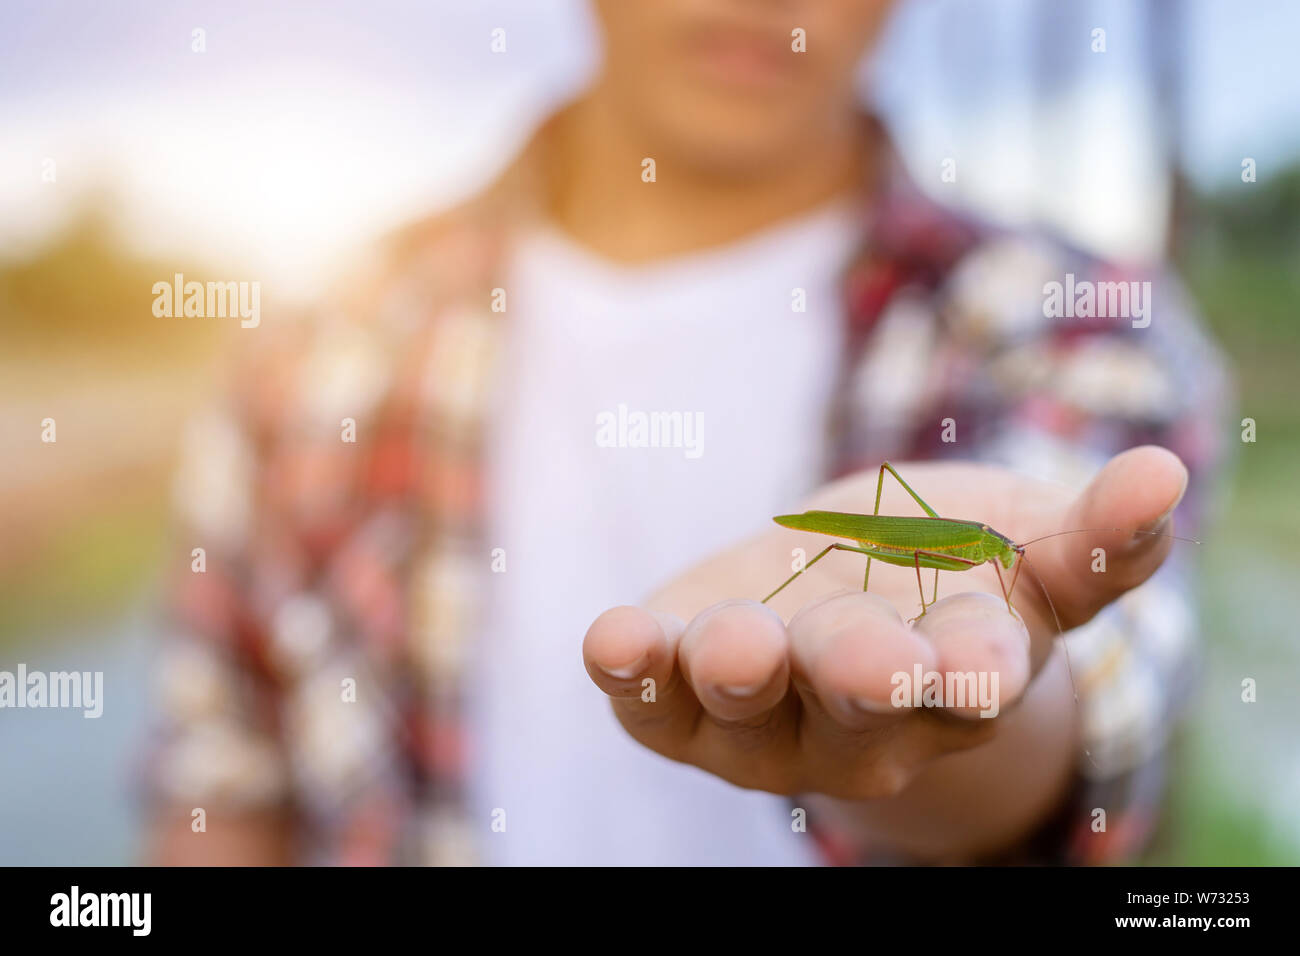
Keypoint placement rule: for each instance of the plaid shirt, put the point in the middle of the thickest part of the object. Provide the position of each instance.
(316, 661)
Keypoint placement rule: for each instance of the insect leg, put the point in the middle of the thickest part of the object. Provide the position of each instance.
(916, 558)
(1002, 584)
(821, 554)
(906, 487)
(880, 486)
(1014, 578)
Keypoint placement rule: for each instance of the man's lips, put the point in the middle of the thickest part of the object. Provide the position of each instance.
(742, 59)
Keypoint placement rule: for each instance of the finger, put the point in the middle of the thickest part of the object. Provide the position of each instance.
(631, 655)
(847, 650)
(982, 654)
(735, 657)
(1137, 490)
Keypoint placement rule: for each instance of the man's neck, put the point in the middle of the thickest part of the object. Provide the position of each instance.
(597, 195)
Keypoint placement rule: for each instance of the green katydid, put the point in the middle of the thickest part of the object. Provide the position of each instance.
(944, 544)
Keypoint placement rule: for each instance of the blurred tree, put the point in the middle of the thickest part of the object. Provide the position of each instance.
(86, 288)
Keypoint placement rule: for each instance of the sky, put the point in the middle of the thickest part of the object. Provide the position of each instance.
(306, 128)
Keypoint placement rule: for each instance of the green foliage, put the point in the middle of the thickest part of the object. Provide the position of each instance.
(86, 289)
(77, 320)
(1241, 262)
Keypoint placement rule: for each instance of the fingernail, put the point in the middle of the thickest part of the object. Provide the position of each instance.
(1159, 523)
(627, 671)
(739, 691)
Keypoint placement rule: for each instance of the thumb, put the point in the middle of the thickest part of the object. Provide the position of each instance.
(1136, 491)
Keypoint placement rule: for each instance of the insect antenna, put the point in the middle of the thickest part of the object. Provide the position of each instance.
(1020, 548)
(1057, 534)
(1069, 667)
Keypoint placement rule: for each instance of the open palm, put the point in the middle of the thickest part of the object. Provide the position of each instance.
(798, 696)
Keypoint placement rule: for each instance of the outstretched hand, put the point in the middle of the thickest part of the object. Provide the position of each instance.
(800, 696)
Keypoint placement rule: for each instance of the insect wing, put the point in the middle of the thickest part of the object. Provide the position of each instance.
(889, 531)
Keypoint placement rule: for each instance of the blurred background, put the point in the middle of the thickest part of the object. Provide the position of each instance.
(304, 130)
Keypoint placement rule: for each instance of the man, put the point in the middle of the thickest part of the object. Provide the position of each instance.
(414, 503)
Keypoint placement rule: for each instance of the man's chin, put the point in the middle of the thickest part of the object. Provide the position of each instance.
(729, 143)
